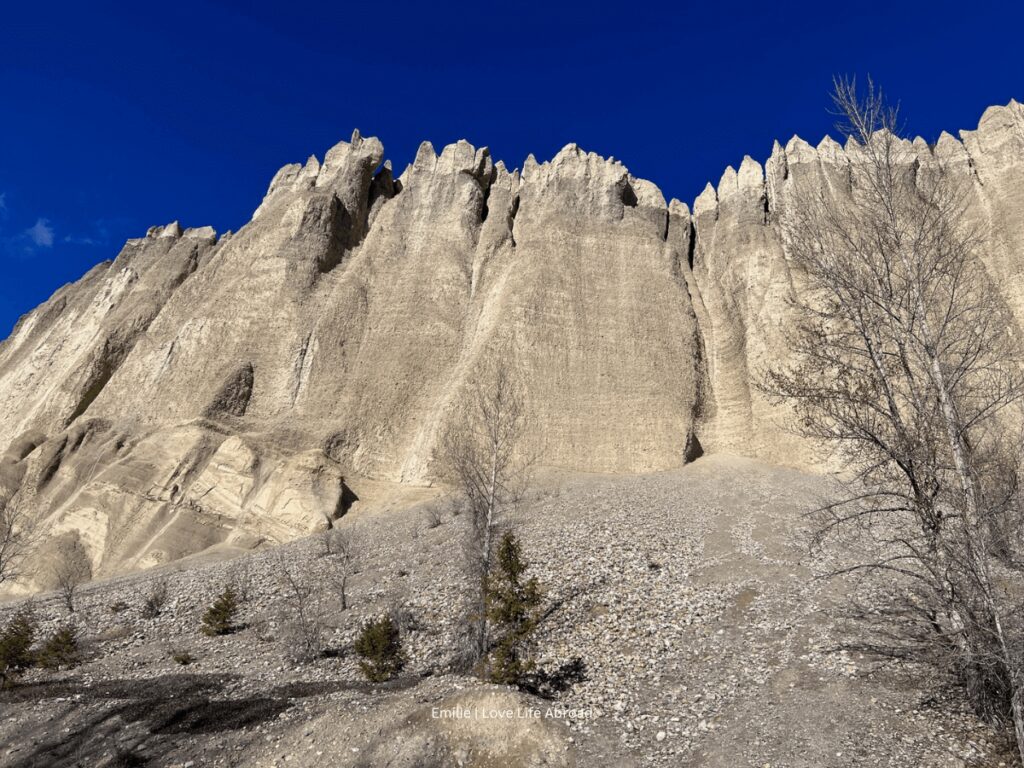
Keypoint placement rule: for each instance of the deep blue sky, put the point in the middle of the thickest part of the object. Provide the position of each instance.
(118, 116)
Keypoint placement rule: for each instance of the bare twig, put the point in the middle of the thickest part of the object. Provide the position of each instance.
(905, 364)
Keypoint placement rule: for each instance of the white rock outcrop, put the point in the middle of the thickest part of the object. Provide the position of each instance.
(198, 391)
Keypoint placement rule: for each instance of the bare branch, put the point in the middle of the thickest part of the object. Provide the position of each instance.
(482, 454)
(18, 535)
(905, 365)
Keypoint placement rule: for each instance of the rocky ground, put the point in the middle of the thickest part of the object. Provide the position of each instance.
(685, 620)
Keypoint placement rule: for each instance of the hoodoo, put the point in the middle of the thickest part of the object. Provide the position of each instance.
(198, 391)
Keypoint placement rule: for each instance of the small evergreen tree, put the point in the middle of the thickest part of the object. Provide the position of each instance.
(219, 617)
(16, 644)
(380, 646)
(60, 649)
(512, 613)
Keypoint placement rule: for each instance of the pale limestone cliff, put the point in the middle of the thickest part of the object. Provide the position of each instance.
(197, 391)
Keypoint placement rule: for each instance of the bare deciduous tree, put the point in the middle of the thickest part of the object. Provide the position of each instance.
(68, 574)
(483, 453)
(326, 541)
(17, 536)
(345, 563)
(302, 620)
(906, 362)
(241, 578)
(341, 548)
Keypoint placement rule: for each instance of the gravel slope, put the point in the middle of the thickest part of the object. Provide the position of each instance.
(687, 596)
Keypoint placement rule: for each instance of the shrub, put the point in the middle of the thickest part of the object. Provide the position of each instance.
(16, 644)
(301, 636)
(513, 612)
(380, 646)
(219, 617)
(155, 599)
(184, 658)
(119, 607)
(433, 516)
(60, 649)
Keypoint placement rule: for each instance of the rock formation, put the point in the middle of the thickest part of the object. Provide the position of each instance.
(200, 391)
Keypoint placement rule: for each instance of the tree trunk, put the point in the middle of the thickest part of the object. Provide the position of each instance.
(978, 547)
(485, 556)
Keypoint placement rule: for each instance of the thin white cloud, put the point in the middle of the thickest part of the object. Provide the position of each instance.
(41, 233)
(42, 236)
(85, 240)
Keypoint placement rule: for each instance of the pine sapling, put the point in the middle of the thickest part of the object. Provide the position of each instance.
(219, 617)
(512, 613)
(16, 644)
(60, 649)
(380, 646)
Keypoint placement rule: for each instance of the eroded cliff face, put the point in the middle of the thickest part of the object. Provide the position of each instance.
(198, 391)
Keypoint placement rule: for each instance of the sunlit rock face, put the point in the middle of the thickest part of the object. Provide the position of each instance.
(201, 391)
